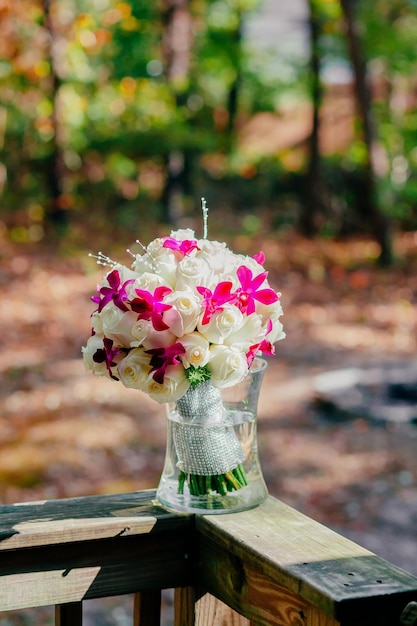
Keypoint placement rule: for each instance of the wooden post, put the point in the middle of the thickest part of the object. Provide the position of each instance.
(147, 608)
(184, 606)
(70, 614)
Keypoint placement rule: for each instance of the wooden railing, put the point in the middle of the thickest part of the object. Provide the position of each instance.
(268, 566)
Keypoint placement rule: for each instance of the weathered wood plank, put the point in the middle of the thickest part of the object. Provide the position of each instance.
(315, 617)
(69, 614)
(147, 608)
(71, 572)
(81, 519)
(272, 565)
(248, 590)
(273, 548)
(69, 530)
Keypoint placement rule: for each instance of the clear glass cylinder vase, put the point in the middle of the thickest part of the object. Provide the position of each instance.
(211, 461)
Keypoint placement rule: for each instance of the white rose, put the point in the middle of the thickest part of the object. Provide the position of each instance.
(183, 234)
(236, 261)
(134, 368)
(193, 271)
(277, 333)
(222, 323)
(166, 267)
(222, 262)
(158, 338)
(269, 311)
(157, 260)
(126, 273)
(217, 256)
(148, 281)
(117, 324)
(140, 330)
(146, 336)
(228, 366)
(247, 334)
(96, 323)
(250, 262)
(197, 351)
(143, 264)
(183, 317)
(172, 389)
(94, 343)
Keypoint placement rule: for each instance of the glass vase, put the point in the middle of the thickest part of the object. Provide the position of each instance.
(211, 461)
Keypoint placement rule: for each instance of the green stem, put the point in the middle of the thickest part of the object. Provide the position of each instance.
(181, 480)
(241, 474)
(222, 484)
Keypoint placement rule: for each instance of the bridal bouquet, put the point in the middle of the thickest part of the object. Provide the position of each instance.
(184, 321)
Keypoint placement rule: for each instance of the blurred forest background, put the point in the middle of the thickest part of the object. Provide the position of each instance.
(124, 111)
(297, 121)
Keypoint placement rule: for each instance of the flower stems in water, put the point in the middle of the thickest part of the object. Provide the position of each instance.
(222, 484)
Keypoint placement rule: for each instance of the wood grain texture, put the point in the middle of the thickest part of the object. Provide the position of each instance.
(184, 606)
(212, 612)
(247, 590)
(94, 569)
(271, 565)
(292, 552)
(81, 519)
(315, 617)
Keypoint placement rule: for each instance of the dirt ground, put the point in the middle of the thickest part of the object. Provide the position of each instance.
(66, 433)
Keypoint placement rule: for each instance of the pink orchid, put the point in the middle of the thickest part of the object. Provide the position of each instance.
(249, 291)
(162, 357)
(214, 301)
(264, 346)
(184, 247)
(260, 257)
(116, 293)
(151, 307)
(106, 355)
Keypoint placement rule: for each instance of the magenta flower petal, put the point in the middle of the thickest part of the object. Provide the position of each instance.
(260, 257)
(244, 275)
(116, 293)
(162, 357)
(150, 306)
(215, 301)
(107, 355)
(185, 247)
(249, 292)
(266, 296)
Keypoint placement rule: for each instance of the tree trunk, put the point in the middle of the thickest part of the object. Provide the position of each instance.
(57, 213)
(313, 199)
(233, 96)
(378, 222)
(176, 50)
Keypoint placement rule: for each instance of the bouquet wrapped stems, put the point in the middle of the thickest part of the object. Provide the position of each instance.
(209, 454)
(199, 485)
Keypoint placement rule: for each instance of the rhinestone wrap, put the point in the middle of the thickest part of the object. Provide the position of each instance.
(201, 405)
(202, 447)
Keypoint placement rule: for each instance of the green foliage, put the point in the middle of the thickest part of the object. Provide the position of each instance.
(101, 106)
